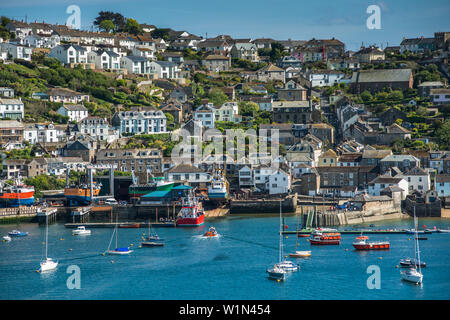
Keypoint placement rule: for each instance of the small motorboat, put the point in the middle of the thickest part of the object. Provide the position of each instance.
(6, 238)
(407, 263)
(81, 231)
(17, 233)
(412, 231)
(211, 233)
(412, 275)
(48, 264)
(326, 239)
(288, 266)
(362, 243)
(303, 235)
(443, 230)
(421, 238)
(120, 251)
(300, 254)
(276, 273)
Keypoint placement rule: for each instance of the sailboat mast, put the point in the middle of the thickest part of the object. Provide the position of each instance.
(281, 237)
(417, 242)
(117, 231)
(46, 235)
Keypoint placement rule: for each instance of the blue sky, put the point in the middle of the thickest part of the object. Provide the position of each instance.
(280, 19)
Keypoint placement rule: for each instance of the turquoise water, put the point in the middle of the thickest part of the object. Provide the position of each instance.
(230, 267)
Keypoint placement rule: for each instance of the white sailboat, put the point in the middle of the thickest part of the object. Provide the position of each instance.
(117, 250)
(414, 273)
(297, 253)
(48, 264)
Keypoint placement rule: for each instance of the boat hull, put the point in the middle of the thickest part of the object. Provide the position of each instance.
(15, 202)
(414, 278)
(130, 226)
(325, 242)
(81, 233)
(300, 254)
(48, 266)
(152, 244)
(276, 275)
(191, 222)
(371, 246)
(115, 252)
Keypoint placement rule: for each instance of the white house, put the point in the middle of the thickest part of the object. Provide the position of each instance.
(279, 182)
(443, 185)
(246, 177)
(11, 108)
(98, 128)
(104, 59)
(165, 69)
(189, 173)
(17, 51)
(440, 96)
(69, 53)
(74, 112)
(59, 166)
(383, 181)
(43, 132)
(206, 114)
(418, 179)
(39, 41)
(229, 111)
(140, 122)
(135, 64)
(144, 51)
(322, 78)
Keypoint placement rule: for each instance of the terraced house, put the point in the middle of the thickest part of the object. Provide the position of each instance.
(11, 108)
(145, 121)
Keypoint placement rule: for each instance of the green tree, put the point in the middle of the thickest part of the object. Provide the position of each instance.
(170, 119)
(366, 96)
(443, 136)
(248, 108)
(107, 26)
(132, 26)
(116, 18)
(217, 97)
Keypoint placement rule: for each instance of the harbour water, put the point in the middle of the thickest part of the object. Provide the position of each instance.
(230, 267)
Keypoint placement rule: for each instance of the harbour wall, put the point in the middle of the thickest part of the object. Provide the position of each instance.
(342, 218)
(264, 205)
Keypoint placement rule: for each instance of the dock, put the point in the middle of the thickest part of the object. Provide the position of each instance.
(126, 224)
(362, 231)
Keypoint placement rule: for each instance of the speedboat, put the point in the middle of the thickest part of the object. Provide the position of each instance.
(288, 266)
(81, 231)
(48, 265)
(276, 273)
(17, 233)
(300, 254)
(119, 251)
(412, 275)
(6, 238)
(407, 262)
(211, 232)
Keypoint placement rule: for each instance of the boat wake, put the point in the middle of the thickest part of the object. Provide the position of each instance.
(203, 237)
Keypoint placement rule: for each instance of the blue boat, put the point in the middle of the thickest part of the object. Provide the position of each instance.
(17, 233)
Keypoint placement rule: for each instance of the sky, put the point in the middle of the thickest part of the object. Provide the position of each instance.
(277, 19)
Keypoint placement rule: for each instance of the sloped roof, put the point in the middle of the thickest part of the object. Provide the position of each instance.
(385, 75)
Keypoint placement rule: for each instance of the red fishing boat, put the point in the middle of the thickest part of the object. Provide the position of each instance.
(191, 213)
(326, 238)
(362, 243)
(16, 195)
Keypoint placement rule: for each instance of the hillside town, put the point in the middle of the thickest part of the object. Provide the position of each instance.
(355, 128)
